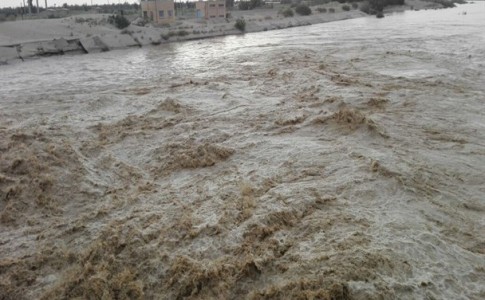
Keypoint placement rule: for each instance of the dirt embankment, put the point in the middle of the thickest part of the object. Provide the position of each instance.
(92, 33)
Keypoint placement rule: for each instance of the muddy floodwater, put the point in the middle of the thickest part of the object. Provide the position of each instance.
(337, 161)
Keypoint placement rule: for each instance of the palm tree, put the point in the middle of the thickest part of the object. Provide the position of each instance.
(29, 2)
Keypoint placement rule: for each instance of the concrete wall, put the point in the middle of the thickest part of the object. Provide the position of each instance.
(210, 9)
(55, 13)
(158, 11)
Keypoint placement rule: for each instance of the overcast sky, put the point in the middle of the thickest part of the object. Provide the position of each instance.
(15, 3)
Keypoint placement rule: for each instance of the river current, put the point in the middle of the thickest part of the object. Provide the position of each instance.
(343, 159)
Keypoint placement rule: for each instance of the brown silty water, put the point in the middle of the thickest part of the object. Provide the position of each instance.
(337, 161)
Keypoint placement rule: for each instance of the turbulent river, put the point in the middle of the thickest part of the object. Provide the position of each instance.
(343, 160)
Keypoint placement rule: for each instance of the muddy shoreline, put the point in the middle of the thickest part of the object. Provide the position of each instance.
(135, 36)
(101, 37)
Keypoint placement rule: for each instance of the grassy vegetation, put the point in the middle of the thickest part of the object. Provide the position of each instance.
(119, 21)
(447, 3)
(240, 25)
(303, 10)
(252, 4)
(182, 33)
(287, 12)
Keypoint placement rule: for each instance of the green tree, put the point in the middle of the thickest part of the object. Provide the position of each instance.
(252, 4)
(303, 9)
(256, 3)
(240, 24)
(119, 21)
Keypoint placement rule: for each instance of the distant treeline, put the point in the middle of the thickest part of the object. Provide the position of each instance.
(106, 8)
(376, 6)
(379, 5)
(370, 6)
(9, 11)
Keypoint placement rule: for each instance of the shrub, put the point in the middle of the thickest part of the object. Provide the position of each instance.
(251, 4)
(303, 9)
(240, 24)
(355, 5)
(288, 12)
(445, 3)
(182, 33)
(365, 7)
(119, 21)
(345, 7)
(378, 5)
(380, 15)
(256, 3)
(243, 5)
(332, 10)
(321, 9)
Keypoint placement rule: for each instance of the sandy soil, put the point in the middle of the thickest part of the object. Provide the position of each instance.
(97, 35)
(31, 38)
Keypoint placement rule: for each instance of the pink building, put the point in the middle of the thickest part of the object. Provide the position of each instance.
(210, 9)
(158, 11)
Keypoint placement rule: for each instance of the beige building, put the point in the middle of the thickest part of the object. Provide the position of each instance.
(210, 9)
(158, 11)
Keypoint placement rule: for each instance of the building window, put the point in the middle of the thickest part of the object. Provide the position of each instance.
(221, 5)
(221, 16)
(170, 13)
(160, 14)
(212, 5)
(145, 14)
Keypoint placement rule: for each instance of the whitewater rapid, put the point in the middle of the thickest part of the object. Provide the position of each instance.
(343, 159)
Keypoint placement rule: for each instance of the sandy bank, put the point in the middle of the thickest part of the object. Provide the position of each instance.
(92, 33)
